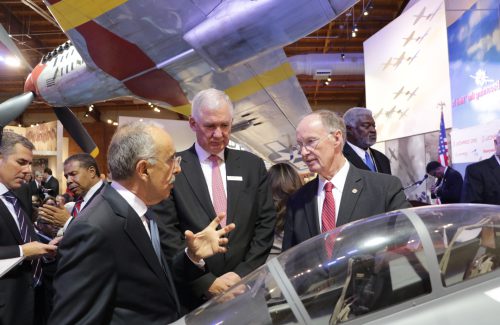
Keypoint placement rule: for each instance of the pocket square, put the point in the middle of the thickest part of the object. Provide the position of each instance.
(235, 178)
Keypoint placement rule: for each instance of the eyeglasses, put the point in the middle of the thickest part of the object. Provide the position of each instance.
(310, 144)
(176, 160)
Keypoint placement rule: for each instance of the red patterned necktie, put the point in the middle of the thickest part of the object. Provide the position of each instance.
(328, 213)
(328, 217)
(218, 195)
(76, 207)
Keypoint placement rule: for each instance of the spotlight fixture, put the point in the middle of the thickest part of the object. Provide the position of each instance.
(19, 125)
(86, 114)
(156, 109)
(110, 121)
(353, 34)
(356, 28)
(327, 83)
(328, 79)
(91, 108)
(342, 56)
(115, 123)
(365, 13)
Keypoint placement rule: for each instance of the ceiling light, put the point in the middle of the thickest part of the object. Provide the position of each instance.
(11, 61)
(19, 125)
(342, 56)
(91, 108)
(365, 13)
(327, 83)
(328, 79)
(110, 121)
(115, 123)
(353, 34)
(86, 115)
(157, 110)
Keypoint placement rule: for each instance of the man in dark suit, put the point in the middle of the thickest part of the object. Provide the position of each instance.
(21, 292)
(111, 268)
(341, 193)
(448, 187)
(35, 185)
(50, 184)
(84, 181)
(361, 135)
(482, 179)
(243, 192)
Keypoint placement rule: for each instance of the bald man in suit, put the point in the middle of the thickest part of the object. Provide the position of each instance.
(347, 193)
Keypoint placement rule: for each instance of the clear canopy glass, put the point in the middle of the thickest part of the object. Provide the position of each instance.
(365, 267)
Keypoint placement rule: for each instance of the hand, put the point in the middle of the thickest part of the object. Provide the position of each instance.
(54, 215)
(223, 283)
(209, 241)
(35, 248)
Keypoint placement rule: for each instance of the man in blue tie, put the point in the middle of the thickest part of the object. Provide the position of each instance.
(111, 268)
(21, 289)
(361, 135)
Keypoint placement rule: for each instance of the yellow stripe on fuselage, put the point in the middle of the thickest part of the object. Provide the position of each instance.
(73, 13)
(249, 86)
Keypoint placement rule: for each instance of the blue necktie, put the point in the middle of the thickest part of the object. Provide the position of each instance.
(155, 240)
(23, 220)
(369, 161)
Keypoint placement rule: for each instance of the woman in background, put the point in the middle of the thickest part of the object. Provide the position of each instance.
(284, 181)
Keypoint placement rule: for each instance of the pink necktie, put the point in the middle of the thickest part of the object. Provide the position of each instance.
(218, 195)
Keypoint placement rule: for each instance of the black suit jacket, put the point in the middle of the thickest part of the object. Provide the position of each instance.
(249, 206)
(449, 186)
(482, 182)
(17, 296)
(365, 194)
(34, 190)
(108, 272)
(381, 161)
(52, 185)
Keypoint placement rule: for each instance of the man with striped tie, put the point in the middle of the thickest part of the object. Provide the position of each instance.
(21, 289)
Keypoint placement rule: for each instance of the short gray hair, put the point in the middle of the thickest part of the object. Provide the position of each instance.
(9, 141)
(351, 116)
(331, 121)
(130, 143)
(211, 99)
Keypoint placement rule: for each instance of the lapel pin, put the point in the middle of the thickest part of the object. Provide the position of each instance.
(355, 190)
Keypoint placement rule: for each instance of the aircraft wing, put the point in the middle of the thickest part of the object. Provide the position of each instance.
(166, 51)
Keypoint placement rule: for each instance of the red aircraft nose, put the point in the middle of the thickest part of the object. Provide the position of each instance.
(31, 81)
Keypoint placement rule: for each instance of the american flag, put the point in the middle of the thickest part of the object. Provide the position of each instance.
(443, 144)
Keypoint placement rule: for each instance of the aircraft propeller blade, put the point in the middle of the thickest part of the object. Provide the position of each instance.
(75, 128)
(15, 106)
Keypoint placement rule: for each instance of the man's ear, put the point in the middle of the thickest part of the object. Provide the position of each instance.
(192, 123)
(141, 168)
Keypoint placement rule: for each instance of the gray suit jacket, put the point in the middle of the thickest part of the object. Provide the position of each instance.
(250, 207)
(365, 194)
(108, 272)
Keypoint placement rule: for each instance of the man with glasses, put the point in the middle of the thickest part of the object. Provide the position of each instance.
(341, 193)
(111, 268)
(215, 179)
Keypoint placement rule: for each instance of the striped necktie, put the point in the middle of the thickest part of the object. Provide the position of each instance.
(24, 230)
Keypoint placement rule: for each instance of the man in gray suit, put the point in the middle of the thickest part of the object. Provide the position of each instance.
(341, 193)
(244, 194)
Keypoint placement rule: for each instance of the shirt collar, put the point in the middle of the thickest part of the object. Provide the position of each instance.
(3, 189)
(137, 204)
(92, 191)
(358, 150)
(203, 154)
(338, 180)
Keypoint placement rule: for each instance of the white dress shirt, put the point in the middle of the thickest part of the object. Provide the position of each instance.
(206, 167)
(338, 181)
